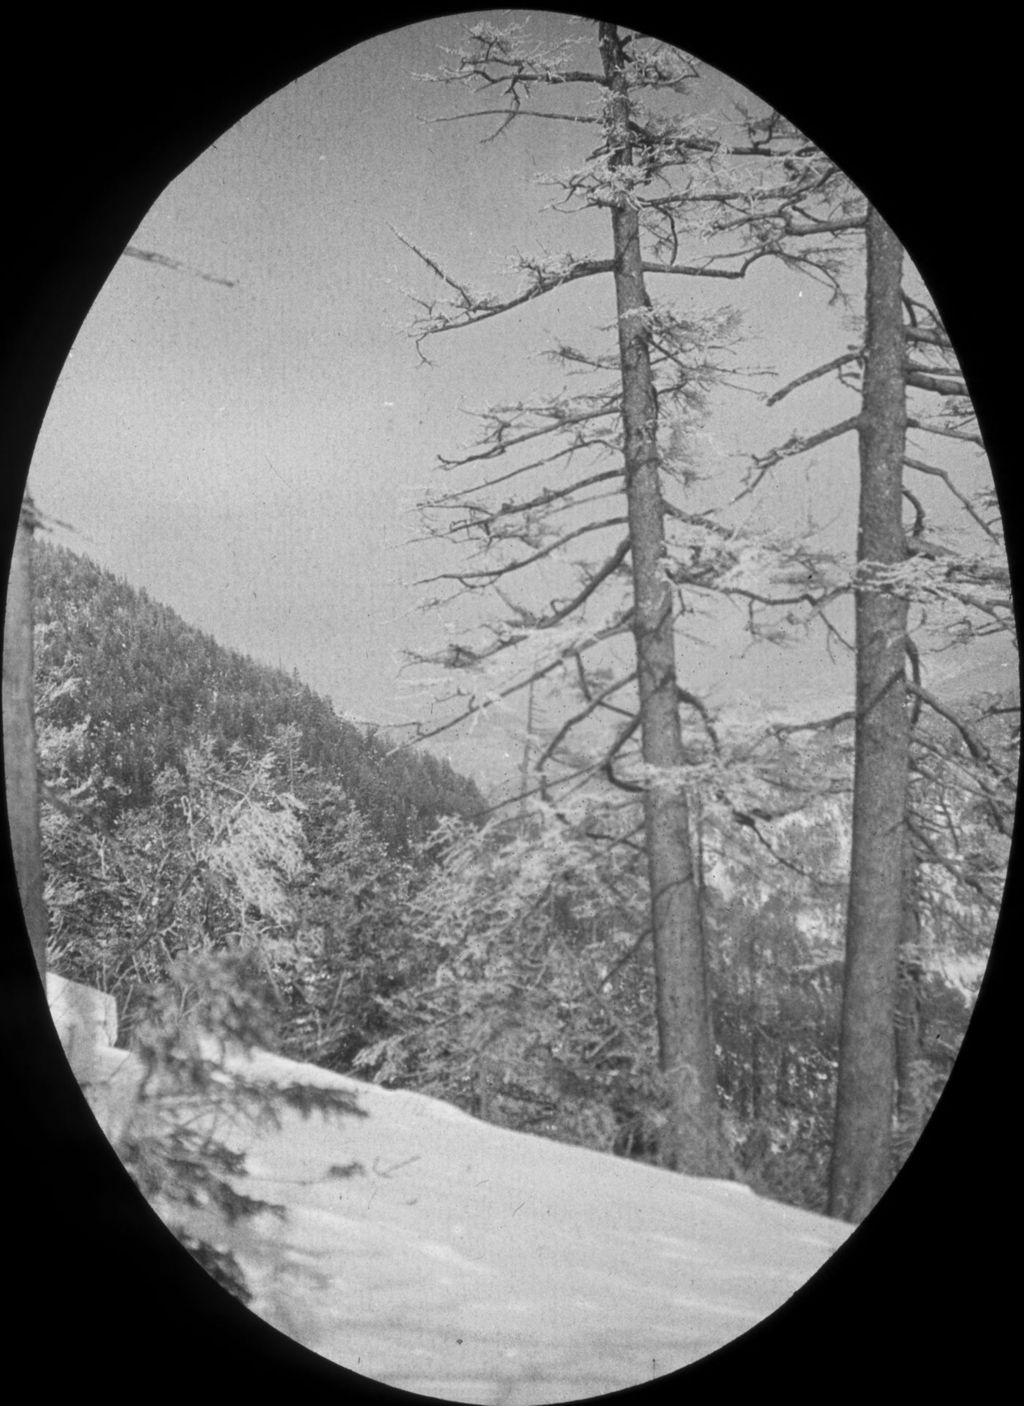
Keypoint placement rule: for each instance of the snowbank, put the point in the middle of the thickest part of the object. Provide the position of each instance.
(480, 1265)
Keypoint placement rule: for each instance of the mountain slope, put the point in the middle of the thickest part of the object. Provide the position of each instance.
(147, 686)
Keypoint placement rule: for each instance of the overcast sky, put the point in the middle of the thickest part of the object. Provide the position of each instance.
(250, 454)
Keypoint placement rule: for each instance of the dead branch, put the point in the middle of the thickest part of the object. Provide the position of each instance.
(796, 444)
(814, 375)
(149, 257)
(922, 468)
(698, 705)
(784, 729)
(923, 378)
(930, 335)
(593, 704)
(492, 574)
(558, 422)
(617, 627)
(601, 575)
(975, 746)
(608, 762)
(945, 432)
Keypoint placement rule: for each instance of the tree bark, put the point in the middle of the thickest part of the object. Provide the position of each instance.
(685, 1041)
(908, 1005)
(20, 774)
(862, 1148)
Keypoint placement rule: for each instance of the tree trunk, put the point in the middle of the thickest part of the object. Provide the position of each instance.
(685, 1041)
(908, 1007)
(20, 774)
(862, 1149)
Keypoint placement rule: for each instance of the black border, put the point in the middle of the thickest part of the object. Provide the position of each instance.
(100, 113)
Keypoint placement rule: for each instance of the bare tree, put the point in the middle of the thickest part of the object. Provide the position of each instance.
(649, 393)
(685, 1040)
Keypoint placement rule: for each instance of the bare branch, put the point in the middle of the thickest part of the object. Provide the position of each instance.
(701, 709)
(514, 113)
(814, 375)
(608, 767)
(945, 432)
(551, 495)
(608, 569)
(560, 420)
(617, 627)
(458, 655)
(784, 729)
(923, 378)
(451, 497)
(922, 468)
(796, 444)
(935, 856)
(592, 706)
(975, 746)
(706, 270)
(149, 257)
(933, 336)
(493, 573)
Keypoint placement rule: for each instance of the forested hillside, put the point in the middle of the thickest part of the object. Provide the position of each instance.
(142, 687)
(211, 823)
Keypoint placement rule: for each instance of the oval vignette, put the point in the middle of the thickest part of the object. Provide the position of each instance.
(431, 449)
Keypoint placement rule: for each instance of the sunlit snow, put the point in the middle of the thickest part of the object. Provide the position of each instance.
(473, 1263)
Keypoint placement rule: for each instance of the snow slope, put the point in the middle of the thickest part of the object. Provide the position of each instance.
(477, 1264)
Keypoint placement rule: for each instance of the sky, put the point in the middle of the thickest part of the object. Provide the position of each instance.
(251, 454)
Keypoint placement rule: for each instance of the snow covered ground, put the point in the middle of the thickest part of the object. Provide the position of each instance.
(476, 1264)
